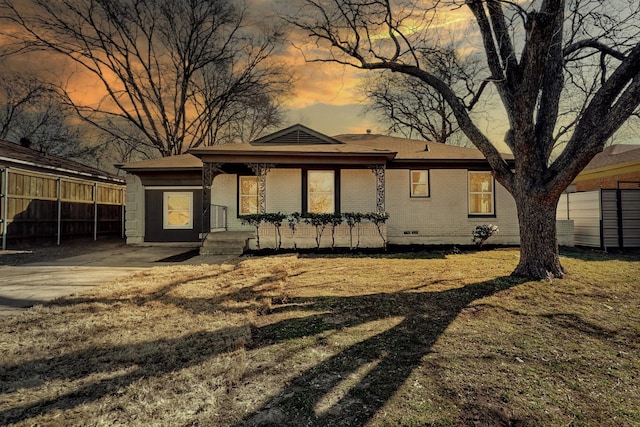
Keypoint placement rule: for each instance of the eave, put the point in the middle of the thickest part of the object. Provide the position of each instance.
(606, 171)
(295, 158)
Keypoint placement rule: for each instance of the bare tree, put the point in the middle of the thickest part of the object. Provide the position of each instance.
(175, 71)
(33, 112)
(412, 108)
(533, 51)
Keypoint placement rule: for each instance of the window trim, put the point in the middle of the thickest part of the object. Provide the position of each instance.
(165, 210)
(413, 196)
(492, 214)
(239, 194)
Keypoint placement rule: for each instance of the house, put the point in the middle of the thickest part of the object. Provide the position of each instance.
(433, 193)
(617, 166)
(604, 200)
(46, 197)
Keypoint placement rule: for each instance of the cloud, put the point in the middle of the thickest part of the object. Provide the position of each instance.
(321, 82)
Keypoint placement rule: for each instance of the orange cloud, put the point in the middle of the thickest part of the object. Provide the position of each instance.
(318, 82)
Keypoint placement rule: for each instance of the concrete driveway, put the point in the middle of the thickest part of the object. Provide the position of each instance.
(32, 283)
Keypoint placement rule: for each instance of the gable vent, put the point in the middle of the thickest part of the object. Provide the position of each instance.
(297, 137)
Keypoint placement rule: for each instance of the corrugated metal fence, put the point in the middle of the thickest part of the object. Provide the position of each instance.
(605, 218)
(38, 206)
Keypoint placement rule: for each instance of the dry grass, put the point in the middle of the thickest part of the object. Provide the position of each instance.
(423, 339)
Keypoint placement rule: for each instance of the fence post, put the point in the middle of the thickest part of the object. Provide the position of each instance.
(5, 206)
(123, 211)
(95, 211)
(59, 210)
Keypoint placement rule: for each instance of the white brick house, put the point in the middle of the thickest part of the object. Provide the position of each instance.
(433, 193)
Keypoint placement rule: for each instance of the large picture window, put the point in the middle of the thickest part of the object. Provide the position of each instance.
(481, 198)
(321, 192)
(419, 183)
(177, 210)
(249, 195)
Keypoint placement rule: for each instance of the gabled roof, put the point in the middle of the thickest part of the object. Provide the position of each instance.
(293, 145)
(299, 145)
(15, 155)
(296, 134)
(615, 155)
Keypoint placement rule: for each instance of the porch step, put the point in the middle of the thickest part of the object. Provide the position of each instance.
(226, 243)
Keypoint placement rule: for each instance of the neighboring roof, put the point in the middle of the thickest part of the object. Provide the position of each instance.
(180, 162)
(614, 155)
(28, 158)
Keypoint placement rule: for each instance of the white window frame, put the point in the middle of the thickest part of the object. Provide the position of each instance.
(241, 195)
(412, 182)
(165, 210)
(491, 193)
(332, 192)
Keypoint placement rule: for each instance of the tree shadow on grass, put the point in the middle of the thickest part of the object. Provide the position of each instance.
(129, 363)
(349, 388)
(376, 367)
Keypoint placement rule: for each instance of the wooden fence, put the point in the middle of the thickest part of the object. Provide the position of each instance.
(38, 206)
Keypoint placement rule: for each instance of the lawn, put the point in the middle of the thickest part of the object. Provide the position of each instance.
(417, 339)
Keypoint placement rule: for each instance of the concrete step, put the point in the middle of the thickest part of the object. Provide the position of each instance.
(226, 243)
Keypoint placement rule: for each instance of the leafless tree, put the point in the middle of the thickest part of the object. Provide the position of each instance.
(412, 108)
(175, 71)
(413, 111)
(535, 53)
(32, 110)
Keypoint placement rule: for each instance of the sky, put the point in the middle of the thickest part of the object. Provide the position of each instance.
(325, 97)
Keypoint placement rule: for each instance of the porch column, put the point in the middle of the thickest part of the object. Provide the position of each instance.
(379, 172)
(261, 170)
(209, 171)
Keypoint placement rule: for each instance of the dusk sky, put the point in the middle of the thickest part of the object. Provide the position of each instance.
(325, 96)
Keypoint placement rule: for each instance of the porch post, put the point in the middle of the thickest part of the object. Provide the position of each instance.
(209, 171)
(379, 172)
(261, 170)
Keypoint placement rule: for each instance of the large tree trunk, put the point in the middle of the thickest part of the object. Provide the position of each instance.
(539, 255)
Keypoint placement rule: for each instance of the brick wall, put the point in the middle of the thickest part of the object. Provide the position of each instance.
(224, 192)
(443, 217)
(284, 190)
(358, 190)
(134, 211)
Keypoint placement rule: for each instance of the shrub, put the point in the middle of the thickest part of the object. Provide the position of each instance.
(292, 221)
(353, 219)
(483, 232)
(320, 222)
(336, 220)
(276, 219)
(254, 220)
(378, 219)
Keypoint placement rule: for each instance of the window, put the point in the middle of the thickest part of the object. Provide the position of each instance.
(249, 195)
(481, 193)
(178, 210)
(419, 183)
(321, 194)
